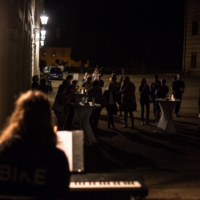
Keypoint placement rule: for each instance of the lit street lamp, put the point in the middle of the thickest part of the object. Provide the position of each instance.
(44, 18)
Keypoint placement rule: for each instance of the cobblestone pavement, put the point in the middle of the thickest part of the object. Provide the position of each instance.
(169, 164)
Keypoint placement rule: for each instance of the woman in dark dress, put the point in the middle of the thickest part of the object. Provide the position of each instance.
(63, 100)
(29, 160)
(128, 100)
(144, 100)
(111, 107)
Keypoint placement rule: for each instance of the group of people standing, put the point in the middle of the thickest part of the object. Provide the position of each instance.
(119, 92)
(158, 89)
(119, 96)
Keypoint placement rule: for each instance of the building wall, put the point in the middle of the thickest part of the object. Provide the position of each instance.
(191, 46)
(50, 54)
(19, 53)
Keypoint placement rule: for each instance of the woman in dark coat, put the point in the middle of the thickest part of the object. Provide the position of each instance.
(144, 100)
(128, 100)
(111, 107)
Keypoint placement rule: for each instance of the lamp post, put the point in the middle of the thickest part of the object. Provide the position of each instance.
(44, 18)
(41, 32)
(39, 38)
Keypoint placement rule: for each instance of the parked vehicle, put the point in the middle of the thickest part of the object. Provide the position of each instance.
(53, 72)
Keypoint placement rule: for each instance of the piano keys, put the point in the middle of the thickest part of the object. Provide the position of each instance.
(104, 186)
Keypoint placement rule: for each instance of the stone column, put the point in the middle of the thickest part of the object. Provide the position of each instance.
(9, 36)
(15, 53)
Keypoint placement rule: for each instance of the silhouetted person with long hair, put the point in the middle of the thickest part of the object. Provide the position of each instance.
(144, 100)
(178, 89)
(128, 100)
(63, 100)
(154, 86)
(30, 163)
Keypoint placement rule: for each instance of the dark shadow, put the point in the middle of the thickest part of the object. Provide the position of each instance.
(125, 159)
(116, 119)
(106, 133)
(179, 123)
(141, 140)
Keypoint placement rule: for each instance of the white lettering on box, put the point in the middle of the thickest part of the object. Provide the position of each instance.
(39, 177)
(14, 177)
(5, 172)
(23, 177)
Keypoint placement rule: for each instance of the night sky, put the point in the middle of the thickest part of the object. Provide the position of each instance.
(119, 31)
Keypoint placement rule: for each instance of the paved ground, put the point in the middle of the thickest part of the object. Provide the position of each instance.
(169, 164)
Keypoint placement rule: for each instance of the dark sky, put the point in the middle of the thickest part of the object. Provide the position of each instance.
(134, 25)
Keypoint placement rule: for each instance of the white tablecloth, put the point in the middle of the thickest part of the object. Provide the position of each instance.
(84, 111)
(166, 121)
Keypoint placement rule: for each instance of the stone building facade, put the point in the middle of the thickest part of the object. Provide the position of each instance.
(19, 50)
(191, 44)
(50, 54)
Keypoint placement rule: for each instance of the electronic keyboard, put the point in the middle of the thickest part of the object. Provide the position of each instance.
(107, 186)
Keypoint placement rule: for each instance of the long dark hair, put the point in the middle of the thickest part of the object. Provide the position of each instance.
(31, 121)
(144, 79)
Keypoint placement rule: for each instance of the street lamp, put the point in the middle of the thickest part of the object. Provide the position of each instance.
(42, 37)
(42, 43)
(41, 32)
(44, 18)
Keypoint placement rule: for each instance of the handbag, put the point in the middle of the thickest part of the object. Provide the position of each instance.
(57, 107)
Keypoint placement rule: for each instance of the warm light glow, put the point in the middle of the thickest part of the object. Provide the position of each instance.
(43, 32)
(37, 35)
(42, 37)
(42, 43)
(55, 128)
(44, 18)
(172, 97)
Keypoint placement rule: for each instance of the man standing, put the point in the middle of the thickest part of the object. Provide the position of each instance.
(154, 86)
(178, 90)
(96, 94)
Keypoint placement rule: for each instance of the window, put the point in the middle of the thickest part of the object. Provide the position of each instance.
(53, 53)
(193, 60)
(194, 27)
(62, 53)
